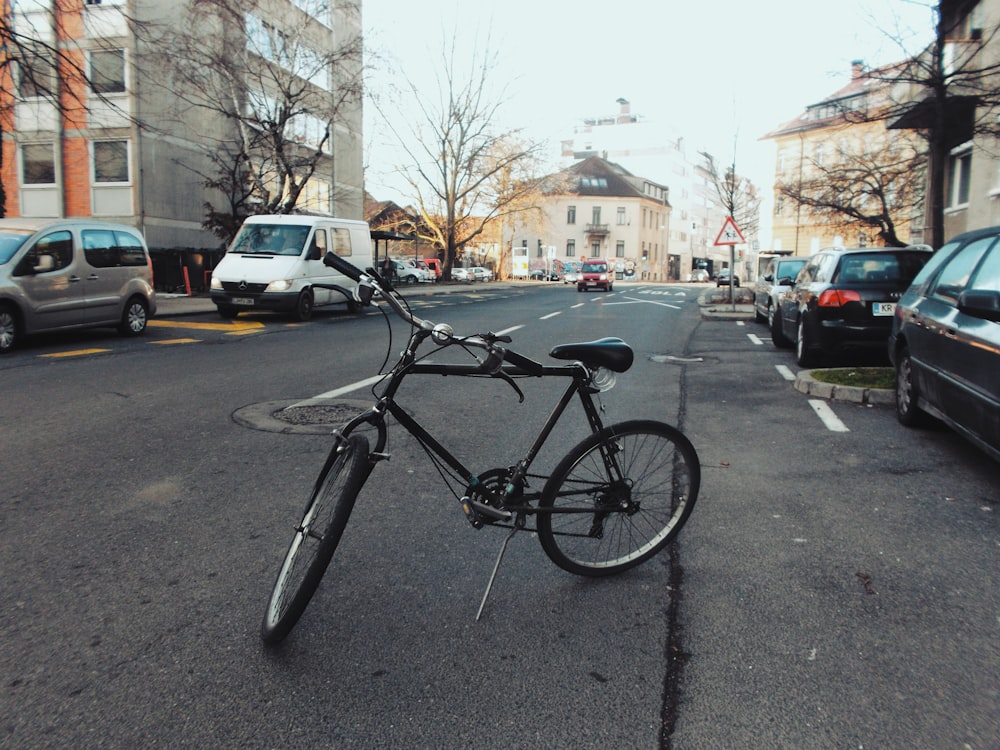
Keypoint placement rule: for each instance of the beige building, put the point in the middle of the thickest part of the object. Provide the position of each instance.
(126, 149)
(596, 209)
(839, 133)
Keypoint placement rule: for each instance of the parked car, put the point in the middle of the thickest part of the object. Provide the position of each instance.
(945, 341)
(58, 274)
(699, 275)
(478, 273)
(540, 274)
(779, 274)
(723, 278)
(845, 299)
(434, 264)
(460, 274)
(407, 273)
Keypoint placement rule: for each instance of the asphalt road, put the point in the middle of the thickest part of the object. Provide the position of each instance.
(833, 589)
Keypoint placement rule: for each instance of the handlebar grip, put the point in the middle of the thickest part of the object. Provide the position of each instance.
(336, 262)
(519, 360)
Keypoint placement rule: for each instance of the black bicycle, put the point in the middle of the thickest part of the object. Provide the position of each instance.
(615, 500)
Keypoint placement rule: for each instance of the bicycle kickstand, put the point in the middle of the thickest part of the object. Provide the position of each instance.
(496, 567)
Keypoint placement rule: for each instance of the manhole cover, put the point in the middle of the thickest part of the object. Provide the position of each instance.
(299, 417)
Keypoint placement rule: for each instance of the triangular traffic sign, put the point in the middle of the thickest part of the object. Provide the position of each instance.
(730, 234)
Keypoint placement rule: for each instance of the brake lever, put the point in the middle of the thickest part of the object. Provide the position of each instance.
(510, 381)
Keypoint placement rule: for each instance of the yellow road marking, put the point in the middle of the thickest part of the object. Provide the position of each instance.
(176, 341)
(75, 353)
(238, 326)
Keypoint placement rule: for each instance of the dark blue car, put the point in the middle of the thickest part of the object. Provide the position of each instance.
(945, 341)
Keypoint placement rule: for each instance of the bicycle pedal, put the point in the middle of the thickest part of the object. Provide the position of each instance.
(489, 511)
(471, 514)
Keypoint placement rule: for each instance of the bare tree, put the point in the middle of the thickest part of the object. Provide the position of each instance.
(881, 190)
(949, 94)
(464, 172)
(276, 89)
(737, 195)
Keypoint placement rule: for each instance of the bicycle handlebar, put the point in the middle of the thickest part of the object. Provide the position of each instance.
(442, 334)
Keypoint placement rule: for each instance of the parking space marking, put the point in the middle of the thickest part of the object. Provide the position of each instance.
(74, 353)
(784, 372)
(754, 339)
(826, 416)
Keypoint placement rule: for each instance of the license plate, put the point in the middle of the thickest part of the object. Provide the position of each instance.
(883, 308)
(249, 301)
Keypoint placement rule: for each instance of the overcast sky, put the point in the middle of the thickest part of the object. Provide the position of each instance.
(713, 72)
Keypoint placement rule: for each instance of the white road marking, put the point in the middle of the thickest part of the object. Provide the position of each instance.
(785, 372)
(754, 339)
(551, 315)
(826, 415)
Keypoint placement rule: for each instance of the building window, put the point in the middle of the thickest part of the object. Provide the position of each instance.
(111, 161)
(620, 249)
(595, 249)
(621, 215)
(959, 174)
(38, 164)
(107, 71)
(595, 215)
(315, 196)
(37, 75)
(570, 248)
(571, 215)
(779, 205)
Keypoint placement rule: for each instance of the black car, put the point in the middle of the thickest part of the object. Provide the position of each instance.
(945, 341)
(844, 299)
(723, 278)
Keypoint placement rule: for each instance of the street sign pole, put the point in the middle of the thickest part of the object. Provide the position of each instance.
(730, 235)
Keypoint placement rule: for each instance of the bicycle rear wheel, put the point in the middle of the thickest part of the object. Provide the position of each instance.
(317, 536)
(618, 498)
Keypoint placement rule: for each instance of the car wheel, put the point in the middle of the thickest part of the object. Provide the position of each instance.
(411, 279)
(304, 306)
(134, 317)
(805, 354)
(228, 312)
(907, 411)
(10, 331)
(579, 288)
(778, 337)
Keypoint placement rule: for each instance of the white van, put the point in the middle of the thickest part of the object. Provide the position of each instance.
(276, 263)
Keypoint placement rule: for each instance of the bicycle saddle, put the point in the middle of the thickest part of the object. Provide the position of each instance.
(610, 352)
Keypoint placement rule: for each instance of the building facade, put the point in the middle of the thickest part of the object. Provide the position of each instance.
(839, 135)
(121, 147)
(596, 209)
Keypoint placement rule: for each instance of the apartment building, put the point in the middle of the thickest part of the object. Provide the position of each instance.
(841, 133)
(121, 146)
(597, 209)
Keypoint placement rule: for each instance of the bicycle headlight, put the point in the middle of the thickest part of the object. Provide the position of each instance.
(602, 379)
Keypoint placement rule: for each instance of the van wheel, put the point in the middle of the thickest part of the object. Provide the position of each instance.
(304, 306)
(134, 318)
(227, 311)
(10, 329)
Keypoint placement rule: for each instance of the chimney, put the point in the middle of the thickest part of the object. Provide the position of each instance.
(857, 69)
(624, 108)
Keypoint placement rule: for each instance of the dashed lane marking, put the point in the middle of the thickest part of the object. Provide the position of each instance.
(237, 327)
(74, 353)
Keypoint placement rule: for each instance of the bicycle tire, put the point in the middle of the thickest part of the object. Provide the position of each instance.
(309, 554)
(642, 511)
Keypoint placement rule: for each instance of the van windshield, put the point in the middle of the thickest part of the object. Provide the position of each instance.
(10, 241)
(270, 239)
(595, 267)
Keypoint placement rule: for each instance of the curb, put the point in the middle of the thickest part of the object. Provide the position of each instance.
(806, 383)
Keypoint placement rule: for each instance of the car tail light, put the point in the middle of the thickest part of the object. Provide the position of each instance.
(838, 297)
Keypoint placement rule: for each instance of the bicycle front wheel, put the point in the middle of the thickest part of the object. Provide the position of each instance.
(618, 498)
(317, 536)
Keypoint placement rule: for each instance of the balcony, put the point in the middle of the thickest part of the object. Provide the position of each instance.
(598, 230)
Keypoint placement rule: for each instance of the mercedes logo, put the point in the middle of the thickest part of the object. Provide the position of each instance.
(243, 286)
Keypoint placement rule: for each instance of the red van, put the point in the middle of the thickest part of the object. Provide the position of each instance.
(434, 265)
(594, 273)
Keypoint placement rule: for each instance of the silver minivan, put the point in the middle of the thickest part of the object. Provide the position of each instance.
(72, 273)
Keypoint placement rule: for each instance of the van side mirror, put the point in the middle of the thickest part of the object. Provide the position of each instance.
(314, 253)
(980, 303)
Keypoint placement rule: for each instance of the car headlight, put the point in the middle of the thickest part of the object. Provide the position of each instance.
(216, 283)
(281, 285)
(604, 277)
